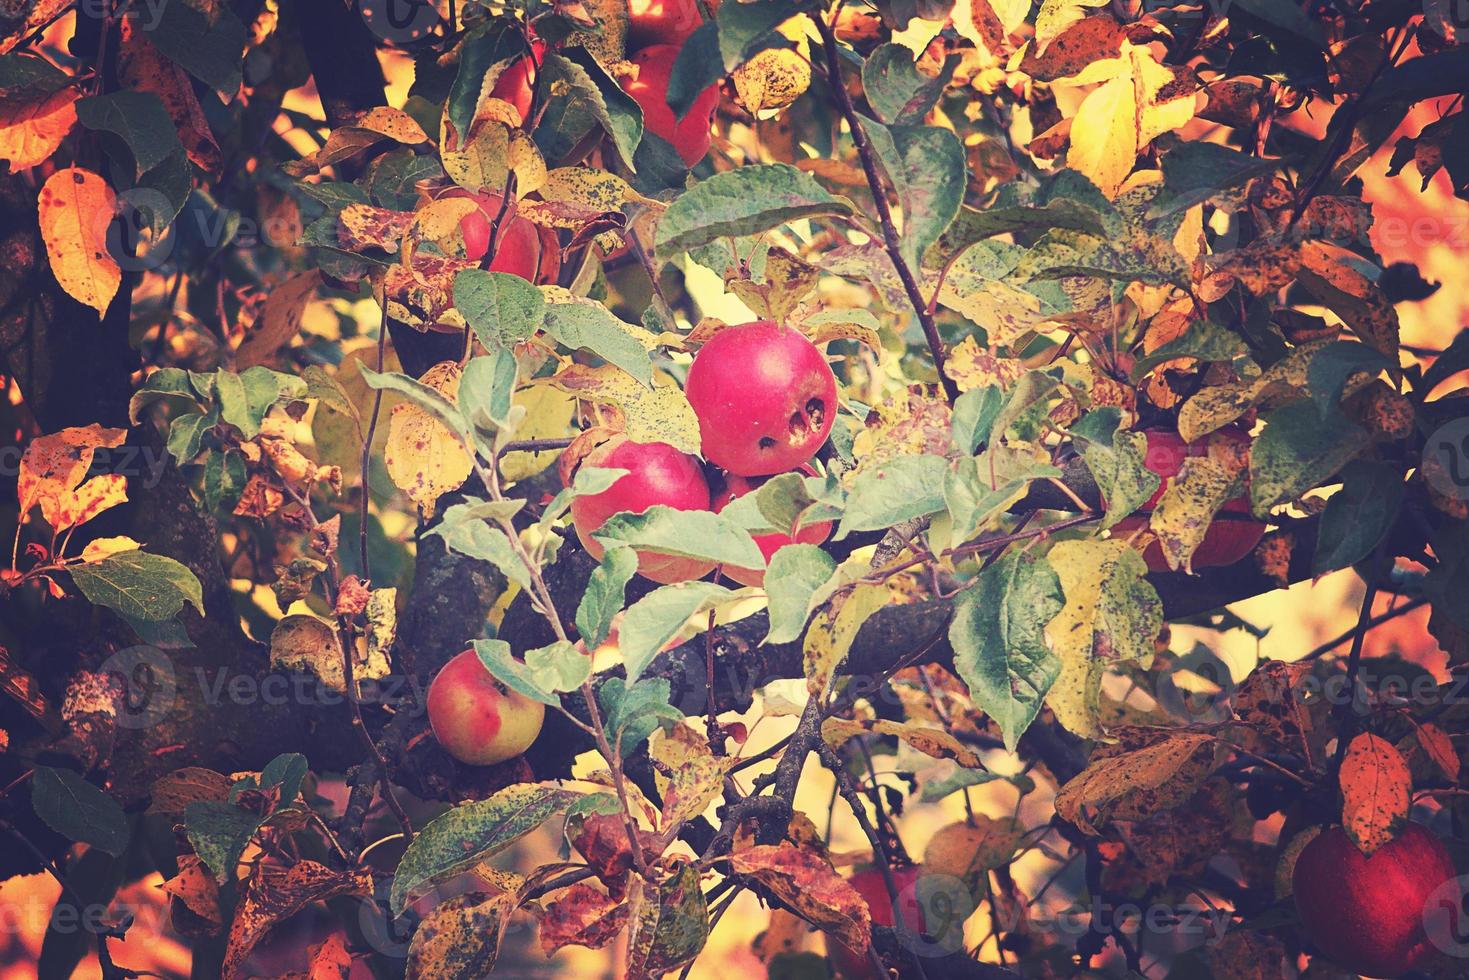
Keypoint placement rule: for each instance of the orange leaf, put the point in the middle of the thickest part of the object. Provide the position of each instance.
(89, 500)
(804, 881)
(53, 465)
(581, 916)
(75, 207)
(1375, 784)
(31, 131)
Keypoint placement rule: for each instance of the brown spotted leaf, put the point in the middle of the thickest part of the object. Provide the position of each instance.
(669, 924)
(460, 938)
(1146, 771)
(272, 896)
(807, 883)
(1375, 788)
(75, 207)
(581, 916)
(930, 741)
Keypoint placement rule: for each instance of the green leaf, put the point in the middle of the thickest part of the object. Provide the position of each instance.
(478, 539)
(212, 49)
(974, 418)
(655, 618)
(1333, 364)
(467, 835)
(977, 490)
(139, 118)
(559, 666)
(79, 811)
(669, 922)
(487, 389)
(1117, 462)
(518, 676)
(960, 778)
(1358, 515)
(899, 489)
(487, 44)
(286, 771)
(160, 385)
(927, 168)
(1455, 358)
(1298, 450)
(588, 325)
(632, 712)
(501, 309)
(998, 636)
(748, 200)
(219, 833)
(698, 534)
(698, 66)
(1195, 171)
(224, 477)
(796, 572)
(604, 595)
(1033, 388)
(616, 112)
(897, 91)
(139, 585)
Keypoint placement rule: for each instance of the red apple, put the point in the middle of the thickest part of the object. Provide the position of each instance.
(477, 719)
(765, 398)
(1367, 913)
(516, 83)
(1230, 537)
(657, 474)
(656, 22)
(855, 964)
(649, 89)
(522, 247)
(769, 544)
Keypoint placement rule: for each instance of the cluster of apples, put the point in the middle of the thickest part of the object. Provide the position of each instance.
(765, 399)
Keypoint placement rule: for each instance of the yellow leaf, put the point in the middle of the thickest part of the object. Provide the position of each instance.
(1146, 772)
(374, 126)
(102, 547)
(279, 319)
(662, 414)
(1111, 615)
(86, 501)
(1118, 119)
(1375, 787)
(930, 741)
(832, 631)
(774, 78)
(688, 775)
(31, 131)
(76, 206)
(495, 151)
(423, 457)
(1187, 508)
(548, 414)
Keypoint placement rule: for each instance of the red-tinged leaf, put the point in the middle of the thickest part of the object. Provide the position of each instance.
(602, 839)
(16, 682)
(272, 896)
(1435, 743)
(669, 924)
(460, 938)
(144, 69)
(196, 890)
(53, 465)
(581, 916)
(1145, 772)
(807, 883)
(1375, 788)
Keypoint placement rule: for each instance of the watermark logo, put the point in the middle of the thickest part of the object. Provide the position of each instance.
(1197, 689)
(149, 688)
(1448, 18)
(1445, 919)
(400, 21)
(140, 235)
(1446, 459)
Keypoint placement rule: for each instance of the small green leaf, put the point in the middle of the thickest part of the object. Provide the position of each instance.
(616, 112)
(1298, 450)
(139, 585)
(1358, 515)
(697, 534)
(657, 617)
(1117, 461)
(559, 666)
(745, 201)
(225, 477)
(478, 539)
(139, 118)
(897, 490)
(633, 711)
(467, 835)
(927, 167)
(519, 677)
(500, 308)
(897, 91)
(588, 325)
(796, 572)
(219, 833)
(1331, 366)
(974, 417)
(487, 390)
(604, 596)
(998, 636)
(79, 811)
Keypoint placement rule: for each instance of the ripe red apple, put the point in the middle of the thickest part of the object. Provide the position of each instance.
(690, 137)
(765, 398)
(657, 474)
(516, 83)
(522, 247)
(661, 22)
(1230, 537)
(1367, 913)
(477, 719)
(769, 544)
(855, 964)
